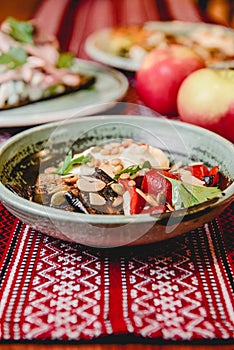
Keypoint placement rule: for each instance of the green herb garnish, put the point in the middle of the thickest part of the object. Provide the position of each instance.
(133, 169)
(186, 195)
(53, 90)
(65, 60)
(68, 162)
(20, 30)
(14, 58)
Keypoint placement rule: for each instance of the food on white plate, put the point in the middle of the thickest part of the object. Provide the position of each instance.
(161, 73)
(212, 43)
(32, 67)
(206, 98)
(121, 178)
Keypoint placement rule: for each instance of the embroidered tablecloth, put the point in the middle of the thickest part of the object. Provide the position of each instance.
(181, 289)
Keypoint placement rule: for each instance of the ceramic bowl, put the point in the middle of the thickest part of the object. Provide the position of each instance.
(181, 141)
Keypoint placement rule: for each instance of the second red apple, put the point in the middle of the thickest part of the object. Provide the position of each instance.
(161, 74)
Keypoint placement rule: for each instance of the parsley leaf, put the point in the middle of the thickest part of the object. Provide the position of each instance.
(65, 60)
(68, 162)
(186, 195)
(14, 58)
(21, 30)
(133, 169)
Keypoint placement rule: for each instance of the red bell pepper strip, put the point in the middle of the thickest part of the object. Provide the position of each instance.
(137, 202)
(211, 177)
(198, 170)
(214, 175)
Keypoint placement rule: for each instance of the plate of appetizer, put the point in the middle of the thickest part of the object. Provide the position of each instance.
(40, 84)
(124, 47)
(116, 180)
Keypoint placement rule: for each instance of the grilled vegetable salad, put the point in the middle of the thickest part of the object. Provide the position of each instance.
(124, 178)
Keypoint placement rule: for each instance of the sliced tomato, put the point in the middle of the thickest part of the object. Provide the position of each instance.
(154, 183)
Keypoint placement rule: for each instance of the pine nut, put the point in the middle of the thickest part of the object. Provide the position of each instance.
(118, 201)
(115, 144)
(115, 161)
(118, 188)
(124, 176)
(131, 183)
(105, 152)
(96, 149)
(108, 146)
(115, 150)
(118, 168)
(127, 143)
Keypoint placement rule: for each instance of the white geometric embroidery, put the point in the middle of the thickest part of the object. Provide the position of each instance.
(65, 294)
(165, 297)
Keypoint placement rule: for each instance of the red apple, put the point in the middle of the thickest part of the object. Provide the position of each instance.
(206, 98)
(161, 74)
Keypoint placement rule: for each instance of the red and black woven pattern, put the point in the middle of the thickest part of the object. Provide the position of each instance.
(180, 289)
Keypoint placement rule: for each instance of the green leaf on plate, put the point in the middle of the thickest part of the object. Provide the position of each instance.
(186, 195)
(14, 58)
(21, 31)
(65, 60)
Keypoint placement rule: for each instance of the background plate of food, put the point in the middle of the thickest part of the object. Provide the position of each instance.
(109, 87)
(40, 83)
(124, 47)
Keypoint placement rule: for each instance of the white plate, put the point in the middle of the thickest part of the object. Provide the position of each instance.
(97, 44)
(110, 86)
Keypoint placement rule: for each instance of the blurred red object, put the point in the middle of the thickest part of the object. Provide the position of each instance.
(73, 21)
